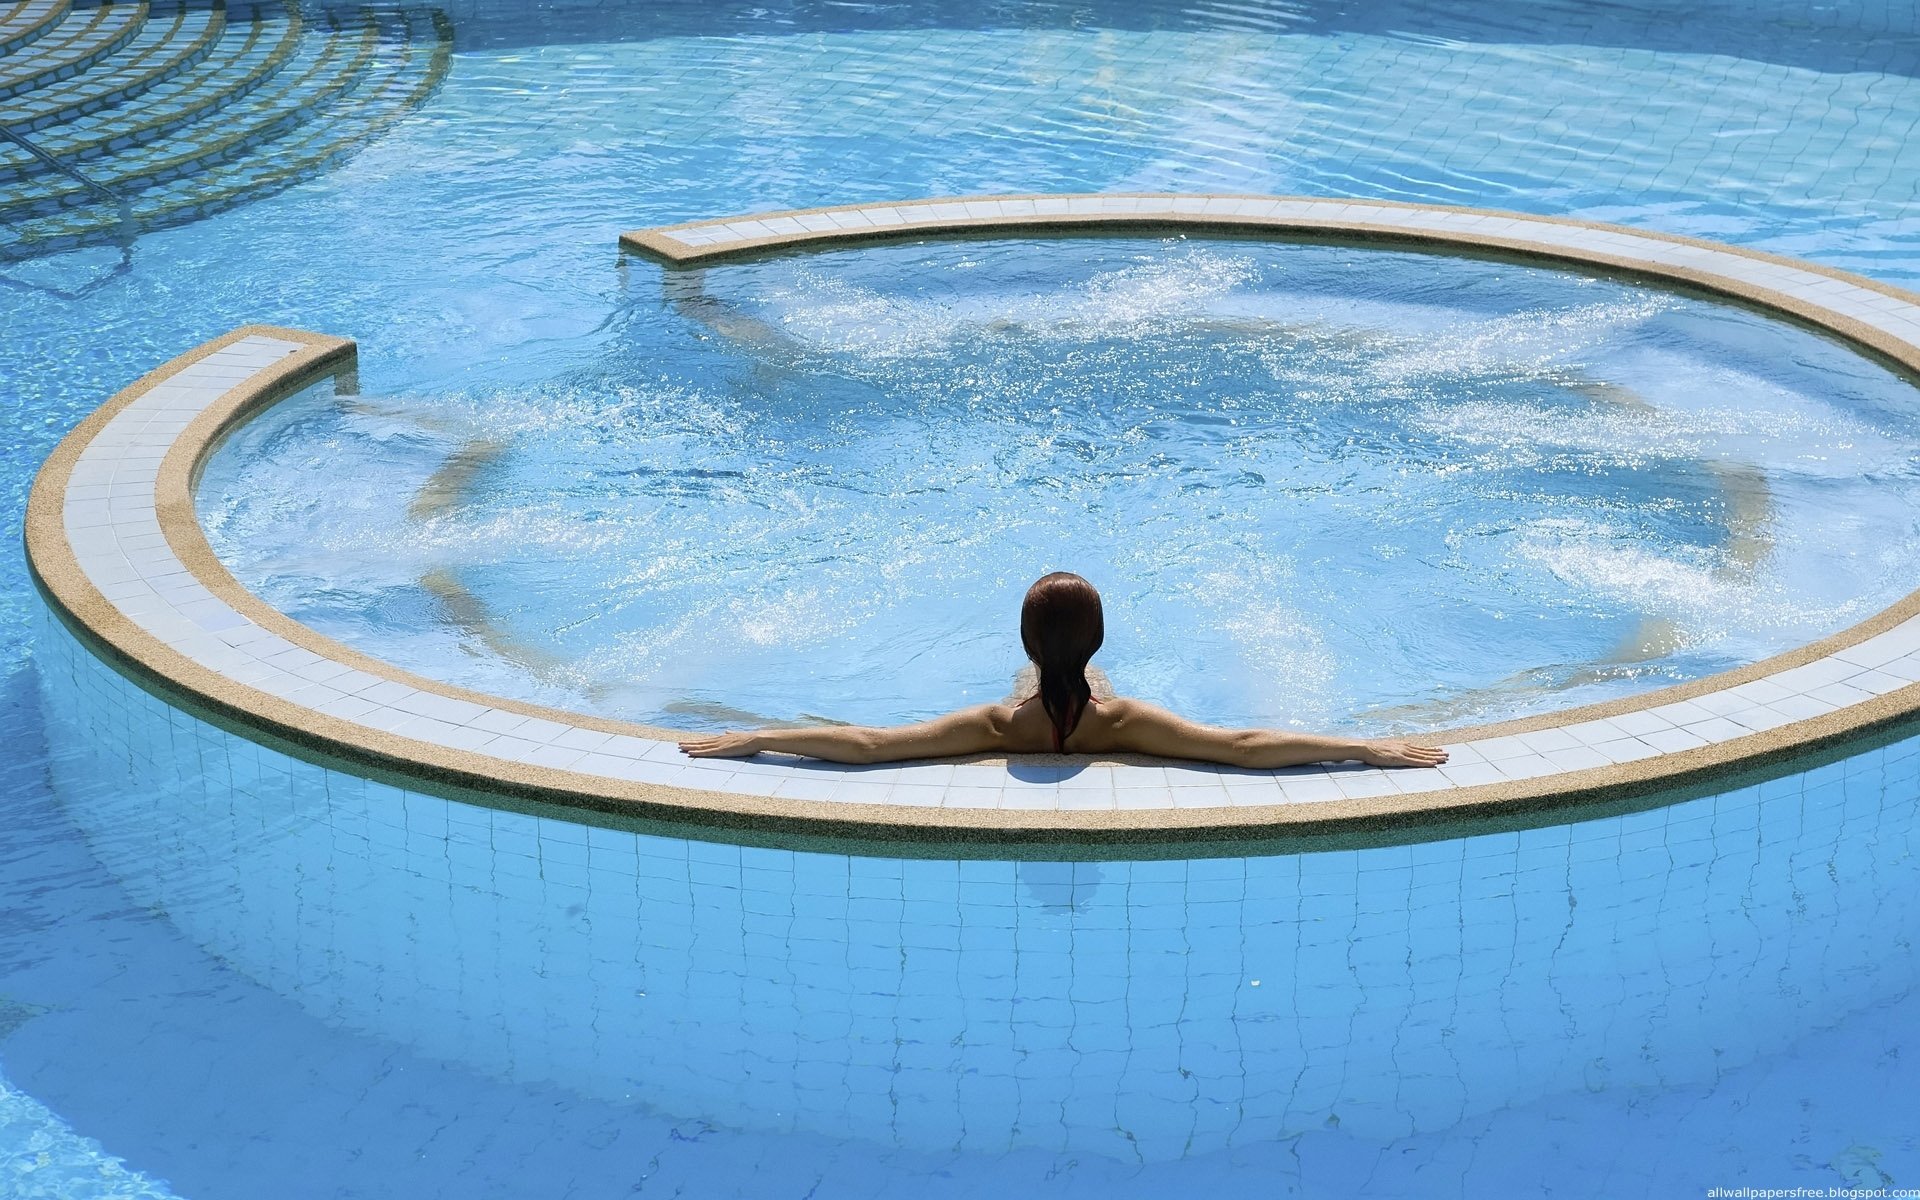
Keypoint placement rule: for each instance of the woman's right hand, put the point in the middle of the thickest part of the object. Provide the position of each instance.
(1396, 752)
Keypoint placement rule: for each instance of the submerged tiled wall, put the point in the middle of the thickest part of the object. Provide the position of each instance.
(1142, 1010)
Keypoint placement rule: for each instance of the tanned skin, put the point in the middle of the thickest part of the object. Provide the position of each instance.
(1118, 726)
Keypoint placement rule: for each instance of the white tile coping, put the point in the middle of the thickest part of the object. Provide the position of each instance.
(106, 512)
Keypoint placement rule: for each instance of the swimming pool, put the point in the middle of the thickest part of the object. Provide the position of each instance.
(819, 486)
(493, 271)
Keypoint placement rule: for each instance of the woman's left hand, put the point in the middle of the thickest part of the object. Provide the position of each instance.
(723, 745)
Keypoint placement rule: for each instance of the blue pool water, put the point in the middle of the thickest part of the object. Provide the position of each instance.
(223, 979)
(819, 486)
(489, 1003)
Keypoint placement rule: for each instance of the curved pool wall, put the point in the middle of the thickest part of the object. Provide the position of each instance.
(1140, 1011)
(115, 543)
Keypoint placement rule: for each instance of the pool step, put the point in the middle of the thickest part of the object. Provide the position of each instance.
(320, 70)
(408, 60)
(205, 105)
(167, 135)
(250, 54)
(173, 41)
(27, 20)
(84, 36)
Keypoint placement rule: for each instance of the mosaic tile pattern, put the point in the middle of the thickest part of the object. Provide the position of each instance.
(114, 532)
(317, 72)
(185, 111)
(165, 46)
(28, 20)
(1144, 1012)
(81, 40)
(90, 121)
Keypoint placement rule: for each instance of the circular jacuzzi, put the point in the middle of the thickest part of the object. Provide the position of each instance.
(1321, 486)
(1411, 490)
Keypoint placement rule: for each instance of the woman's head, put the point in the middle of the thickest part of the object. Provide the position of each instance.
(1061, 627)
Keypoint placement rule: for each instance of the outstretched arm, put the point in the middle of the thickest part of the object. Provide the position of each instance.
(969, 731)
(1147, 729)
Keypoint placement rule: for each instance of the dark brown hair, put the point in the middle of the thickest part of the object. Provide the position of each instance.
(1061, 627)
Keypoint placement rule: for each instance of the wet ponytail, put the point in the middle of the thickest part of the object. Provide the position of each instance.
(1061, 626)
(1064, 694)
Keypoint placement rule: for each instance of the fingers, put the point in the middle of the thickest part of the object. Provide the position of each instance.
(706, 747)
(723, 745)
(1420, 756)
(1396, 753)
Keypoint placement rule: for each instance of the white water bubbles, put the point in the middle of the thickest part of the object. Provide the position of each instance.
(1318, 486)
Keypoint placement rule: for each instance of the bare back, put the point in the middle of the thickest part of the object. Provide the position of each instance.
(1025, 728)
(1110, 725)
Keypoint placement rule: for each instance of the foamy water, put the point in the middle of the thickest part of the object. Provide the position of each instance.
(1317, 486)
(42, 1158)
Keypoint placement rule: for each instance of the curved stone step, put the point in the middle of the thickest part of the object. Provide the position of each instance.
(392, 89)
(321, 69)
(83, 38)
(29, 19)
(169, 44)
(260, 43)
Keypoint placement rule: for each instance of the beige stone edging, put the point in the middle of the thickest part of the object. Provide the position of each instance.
(117, 549)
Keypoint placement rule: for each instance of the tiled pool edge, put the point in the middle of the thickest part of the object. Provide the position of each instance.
(1430, 226)
(1418, 231)
(928, 806)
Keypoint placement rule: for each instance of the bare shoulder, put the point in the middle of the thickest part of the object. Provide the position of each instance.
(984, 720)
(992, 726)
(1123, 725)
(981, 728)
(997, 719)
(1128, 726)
(1124, 712)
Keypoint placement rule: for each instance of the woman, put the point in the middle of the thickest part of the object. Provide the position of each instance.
(1061, 627)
